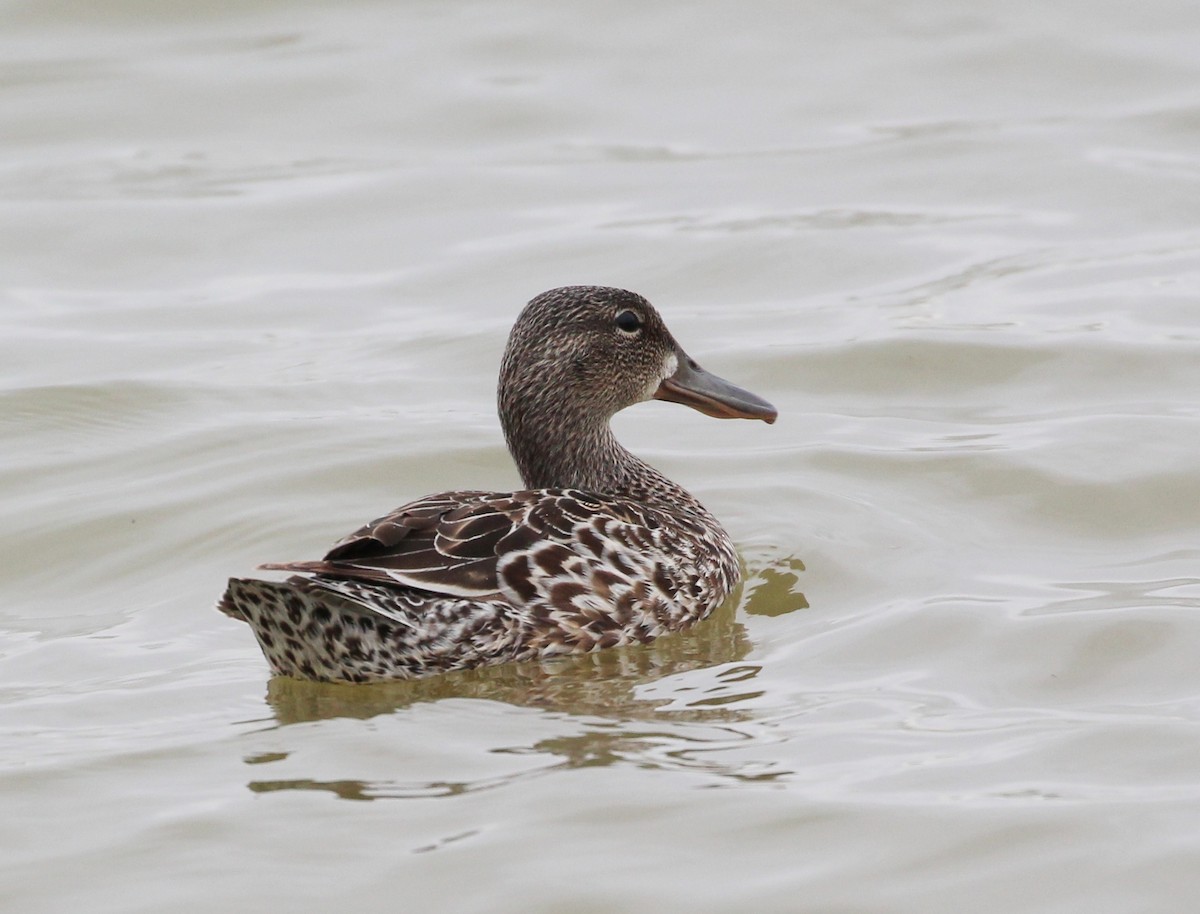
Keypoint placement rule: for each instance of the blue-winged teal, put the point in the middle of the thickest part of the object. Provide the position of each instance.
(599, 548)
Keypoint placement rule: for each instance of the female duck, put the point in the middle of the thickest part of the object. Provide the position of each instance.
(598, 550)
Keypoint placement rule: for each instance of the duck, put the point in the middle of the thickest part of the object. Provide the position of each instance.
(597, 550)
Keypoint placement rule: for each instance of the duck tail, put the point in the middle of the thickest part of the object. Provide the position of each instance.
(352, 631)
(286, 618)
(246, 599)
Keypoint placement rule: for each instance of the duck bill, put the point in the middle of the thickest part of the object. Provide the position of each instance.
(692, 386)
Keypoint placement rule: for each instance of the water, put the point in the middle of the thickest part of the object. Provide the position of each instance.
(259, 263)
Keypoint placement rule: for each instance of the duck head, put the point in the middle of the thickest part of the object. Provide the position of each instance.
(577, 356)
(597, 350)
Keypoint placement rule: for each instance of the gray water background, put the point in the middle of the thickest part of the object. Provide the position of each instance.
(258, 264)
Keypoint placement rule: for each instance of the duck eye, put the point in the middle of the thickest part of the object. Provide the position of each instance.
(629, 322)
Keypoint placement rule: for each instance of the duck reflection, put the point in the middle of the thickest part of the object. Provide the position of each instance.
(604, 683)
(624, 686)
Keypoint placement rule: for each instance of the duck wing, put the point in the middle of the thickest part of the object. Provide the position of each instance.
(476, 544)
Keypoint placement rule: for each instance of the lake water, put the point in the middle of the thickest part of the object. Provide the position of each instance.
(259, 263)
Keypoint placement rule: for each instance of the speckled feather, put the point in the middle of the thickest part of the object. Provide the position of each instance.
(600, 550)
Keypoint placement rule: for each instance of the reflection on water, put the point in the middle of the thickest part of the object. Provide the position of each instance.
(776, 593)
(606, 687)
(598, 746)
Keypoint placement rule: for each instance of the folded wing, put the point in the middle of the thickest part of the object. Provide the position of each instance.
(455, 542)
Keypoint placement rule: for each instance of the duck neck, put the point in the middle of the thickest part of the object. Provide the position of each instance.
(581, 452)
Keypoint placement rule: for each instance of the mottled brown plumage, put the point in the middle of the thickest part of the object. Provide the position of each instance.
(598, 550)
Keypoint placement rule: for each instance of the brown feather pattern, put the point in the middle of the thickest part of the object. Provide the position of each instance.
(599, 550)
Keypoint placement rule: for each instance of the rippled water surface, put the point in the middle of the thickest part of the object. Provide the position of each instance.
(260, 260)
